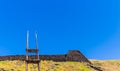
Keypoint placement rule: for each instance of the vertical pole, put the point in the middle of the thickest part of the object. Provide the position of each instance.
(38, 66)
(26, 50)
(26, 66)
(37, 51)
(37, 44)
(27, 45)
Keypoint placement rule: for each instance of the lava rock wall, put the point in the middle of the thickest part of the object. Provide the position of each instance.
(73, 55)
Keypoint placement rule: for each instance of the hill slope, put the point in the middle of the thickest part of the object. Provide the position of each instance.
(45, 66)
(107, 65)
(104, 65)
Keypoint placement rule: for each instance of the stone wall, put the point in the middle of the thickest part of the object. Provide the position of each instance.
(42, 57)
(73, 55)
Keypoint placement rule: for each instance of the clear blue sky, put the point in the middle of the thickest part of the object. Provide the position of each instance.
(91, 26)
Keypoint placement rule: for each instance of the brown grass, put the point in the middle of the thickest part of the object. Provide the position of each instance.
(107, 65)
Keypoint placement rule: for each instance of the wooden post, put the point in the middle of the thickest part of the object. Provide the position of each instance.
(38, 66)
(36, 51)
(26, 66)
(27, 49)
(37, 44)
(27, 39)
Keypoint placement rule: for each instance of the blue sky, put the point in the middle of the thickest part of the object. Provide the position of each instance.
(91, 26)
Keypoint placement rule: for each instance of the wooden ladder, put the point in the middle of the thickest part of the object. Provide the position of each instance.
(36, 51)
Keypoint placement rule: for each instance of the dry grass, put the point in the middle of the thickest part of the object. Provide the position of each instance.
(44, 66)
(107, 65)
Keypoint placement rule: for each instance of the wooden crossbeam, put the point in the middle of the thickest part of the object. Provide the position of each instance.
(32, 50)
(33, 61)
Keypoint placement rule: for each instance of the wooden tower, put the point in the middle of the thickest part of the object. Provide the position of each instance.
(36, 59)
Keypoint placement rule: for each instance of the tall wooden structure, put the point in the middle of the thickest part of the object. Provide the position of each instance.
(36, 59)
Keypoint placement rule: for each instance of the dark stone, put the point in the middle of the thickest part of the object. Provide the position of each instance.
(73, 55)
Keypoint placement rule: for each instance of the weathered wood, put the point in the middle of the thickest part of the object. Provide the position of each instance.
(35, 60)
(26, 66)
(32, 50)
(38, 66)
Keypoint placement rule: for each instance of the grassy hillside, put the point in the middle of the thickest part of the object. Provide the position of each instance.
(107, 65)
(45, 66)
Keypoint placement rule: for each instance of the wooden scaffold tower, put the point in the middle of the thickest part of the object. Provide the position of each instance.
(36, 59)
